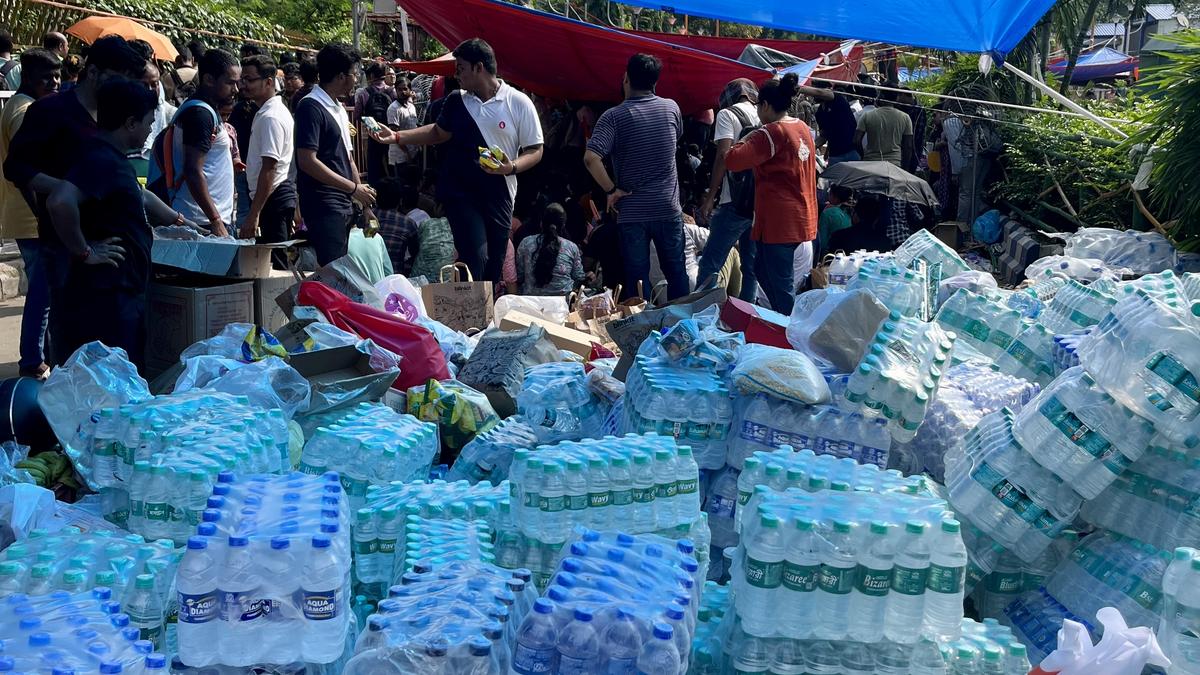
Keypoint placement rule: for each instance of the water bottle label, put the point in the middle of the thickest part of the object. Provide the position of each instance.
(532, 501)
(552, 504)
(597, 500)
(151, 633)
(548, 418)
(104, 448)
(120, 517)
(908, 580)
(194, 516)
(577, 502)
(779, 438)
(137, 508)
(240, 606)
(763, 574)
(1004, 582)
(1177, 387)
(697, 431)
(718, 432)
(719, 506)
(666, 490)
(1000, 339)
(964, 324)
(159, 511)
(946, 579)
(387, 546)
(1089, 440)
(1144, 594)
(320, 605)
(532, 661)
(643, 495)
(836, 580)
(685, 487)
(873, 582)
(754, 432)
(621, 666)
(743, 497)
(198, 608)
(1026, 357)
(622, 497)
(869, 455)
(368, 547)
(571, 665)
(800, 578)
(1032, 582)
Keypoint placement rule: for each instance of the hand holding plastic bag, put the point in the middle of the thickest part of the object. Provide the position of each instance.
(1122, 650)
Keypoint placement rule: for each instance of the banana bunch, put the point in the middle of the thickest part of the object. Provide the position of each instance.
(50, 468)
(491, 157)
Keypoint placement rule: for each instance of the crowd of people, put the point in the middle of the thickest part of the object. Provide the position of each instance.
(632, 196)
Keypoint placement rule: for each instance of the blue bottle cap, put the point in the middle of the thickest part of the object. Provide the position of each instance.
(39, 639)
(541, 606)
(156, 661)
(206, 530)
(238, 542)
(321, 541)
(582, 614)
(197, 543)
(110, 667)
(280, 543)
(663, 631)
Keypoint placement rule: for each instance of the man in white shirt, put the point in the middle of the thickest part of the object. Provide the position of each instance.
(402, 116)
(268, 157)
(726, 226)
(478, 199)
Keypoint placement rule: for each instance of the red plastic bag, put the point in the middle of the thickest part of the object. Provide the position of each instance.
(422, 357)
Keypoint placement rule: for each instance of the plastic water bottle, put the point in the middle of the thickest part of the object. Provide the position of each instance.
(537, 642)
(1182, 628)
(659, 656)
(578, 645)
(873, 579)
(621, 504)
(104, 460)
(552, 504)
(157, 515)
(620, 643)
(666, 490)
(947, 572)
(838, 563)
(387, 535)
(321, 592)
(927, 659)
(720, 506)
(763, 576)
(366, 546)
(145, 609)
(643, 493)
(575, 487)
(599, 494)
(801, 568)
(906, 603)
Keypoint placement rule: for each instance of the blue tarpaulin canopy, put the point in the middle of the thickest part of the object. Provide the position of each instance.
(984, 26)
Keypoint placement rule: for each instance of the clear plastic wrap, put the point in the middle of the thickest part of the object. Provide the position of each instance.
(94, 377)
(899, 289)
(1146, 355)
(924, 245)
(999, 486)
(762, 423)
(489, 455)
(1110, 570)
(557, 403)
(269, 383)
(976, 282)
(437, 542)
(551, 308)
(267, 577)
(784, 374)
(1076, 306)
(1083, 270)
(835, 328)
(11, 453)
(1141, 252)
(1081, 433)
(459, 411)
(983, 322)
(692, 405)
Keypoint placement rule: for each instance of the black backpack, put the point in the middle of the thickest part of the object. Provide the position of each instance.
(377, 104)
(5, 69)
(183, 90)
(741, 183)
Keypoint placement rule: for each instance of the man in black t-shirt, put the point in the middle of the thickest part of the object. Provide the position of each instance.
(100, 213)
(328, 180)
(835, 123)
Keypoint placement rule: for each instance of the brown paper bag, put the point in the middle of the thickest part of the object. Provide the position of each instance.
(819, 276)
(461, 305)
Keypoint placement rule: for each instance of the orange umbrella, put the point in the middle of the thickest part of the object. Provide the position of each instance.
(95, 27)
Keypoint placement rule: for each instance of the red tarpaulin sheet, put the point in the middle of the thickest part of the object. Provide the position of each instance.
(731, 47)
(566, 59)
(442, 65)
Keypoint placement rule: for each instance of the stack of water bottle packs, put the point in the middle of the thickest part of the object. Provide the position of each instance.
(901, 290)
(692, 405)
(82, 633)
(443, 541)
(1179, 627)
(383, 523)
(266, 578)
(458, 618)
(845, 266)
(899, 374)
(617, 603)
(1000, 487)
(488, 457)
(556, 402)
(72, 561)
(372, 445)
(765, 423)
(981, 322)
(862, 566)
(706, 641)
(968, 392)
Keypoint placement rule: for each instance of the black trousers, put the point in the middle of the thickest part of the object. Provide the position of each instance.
(114, 316)
(481, 228)
(328, 233)
(275, 221)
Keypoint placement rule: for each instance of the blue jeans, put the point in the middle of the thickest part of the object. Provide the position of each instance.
(851, 156)
(775, 263)
(667, 236)
(36, 314)
(726, 229)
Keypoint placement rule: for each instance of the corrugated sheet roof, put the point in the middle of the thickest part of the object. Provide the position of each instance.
(1108, 30)
(1160, 12)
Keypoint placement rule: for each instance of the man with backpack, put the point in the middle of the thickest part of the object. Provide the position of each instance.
(373, 101)
(193, 166)
(730, 223)
(10, 66)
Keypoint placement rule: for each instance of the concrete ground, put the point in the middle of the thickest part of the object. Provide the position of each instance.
(10, 331)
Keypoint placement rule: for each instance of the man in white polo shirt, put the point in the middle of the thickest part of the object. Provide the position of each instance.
(268, 158)
(486, 112)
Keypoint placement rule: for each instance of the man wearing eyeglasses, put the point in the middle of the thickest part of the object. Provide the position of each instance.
(268, 158)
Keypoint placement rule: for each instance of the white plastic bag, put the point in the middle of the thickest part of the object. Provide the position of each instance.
(1085, 270)
(1122, 650)
(401, 297)
(23, 507)
(226, 344)
(551, 308)
(95, 377)
(782, 373)
(834, 327)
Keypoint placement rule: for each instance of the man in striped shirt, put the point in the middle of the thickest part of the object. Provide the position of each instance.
(640, 136)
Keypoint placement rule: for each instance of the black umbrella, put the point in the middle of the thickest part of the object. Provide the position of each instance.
(883, 178)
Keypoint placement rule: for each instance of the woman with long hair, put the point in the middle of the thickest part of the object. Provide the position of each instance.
(548, 263)
(783, 157)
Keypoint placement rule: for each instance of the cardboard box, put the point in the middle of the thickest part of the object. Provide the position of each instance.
(184, 312)
(219, 258)
(267, 312)
(951, 231)
(341, 375)
(569, 339)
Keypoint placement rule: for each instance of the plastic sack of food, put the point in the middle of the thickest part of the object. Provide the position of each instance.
(835, 327)
(459, 411)
(782, 373)
(551, 308)
(95, 377)
(498, 362)
(401, 297)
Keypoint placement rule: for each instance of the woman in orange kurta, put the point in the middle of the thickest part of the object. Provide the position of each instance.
(783, 157)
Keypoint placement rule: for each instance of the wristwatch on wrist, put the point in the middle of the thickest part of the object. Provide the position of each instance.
(614, 189)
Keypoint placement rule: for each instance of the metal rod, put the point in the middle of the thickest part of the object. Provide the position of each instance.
(1063, 100)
